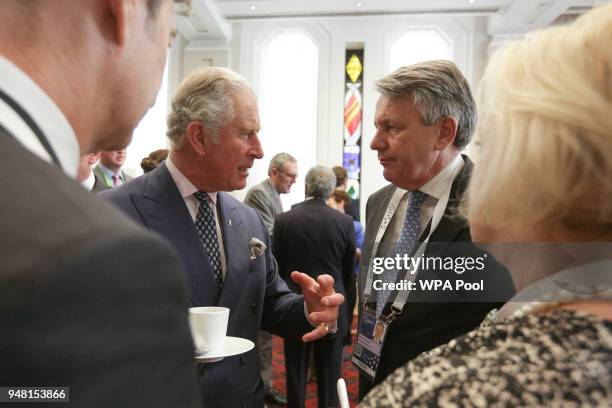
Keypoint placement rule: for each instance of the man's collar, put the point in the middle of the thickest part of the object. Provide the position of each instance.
(185, 187)
(44, 112)
(108, 172)
(438, 184)
(89, 182)
(269, 181)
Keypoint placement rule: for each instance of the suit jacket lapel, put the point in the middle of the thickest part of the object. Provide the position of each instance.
(375, 214)
(236, 245)
(164, 211)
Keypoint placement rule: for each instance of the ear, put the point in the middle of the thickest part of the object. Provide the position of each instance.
(448, 131)
(122, 13)
(94, 157)
(196, 137)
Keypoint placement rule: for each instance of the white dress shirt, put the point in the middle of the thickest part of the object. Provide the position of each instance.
(89, 182)
(434, 189)
(108, 173)
(44, 112)
(187, 190)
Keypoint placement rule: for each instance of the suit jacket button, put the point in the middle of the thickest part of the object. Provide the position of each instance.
(243, 360)
(202, 369)
(253, 308)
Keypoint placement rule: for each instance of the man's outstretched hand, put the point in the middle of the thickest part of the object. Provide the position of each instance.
(322, 302)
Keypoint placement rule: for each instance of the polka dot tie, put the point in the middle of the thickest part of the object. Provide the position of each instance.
(207, 230)
(404, 245)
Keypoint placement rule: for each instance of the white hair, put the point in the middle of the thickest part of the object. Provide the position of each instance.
(205, 95)
(546, 127)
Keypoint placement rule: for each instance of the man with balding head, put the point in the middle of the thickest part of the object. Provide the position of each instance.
(88, 299)
(213, 129)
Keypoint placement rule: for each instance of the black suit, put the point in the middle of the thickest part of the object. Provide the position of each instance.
(88, 300)
(432, 318)
(315, 239)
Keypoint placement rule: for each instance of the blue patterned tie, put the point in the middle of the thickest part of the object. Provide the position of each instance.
(405, 243)
(207, 230)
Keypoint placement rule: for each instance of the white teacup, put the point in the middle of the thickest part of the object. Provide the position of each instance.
(208, 328)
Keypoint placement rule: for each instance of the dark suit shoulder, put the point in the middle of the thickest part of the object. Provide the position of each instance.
(46, 212)
(382, 193)
(313, 209)
(134, 186)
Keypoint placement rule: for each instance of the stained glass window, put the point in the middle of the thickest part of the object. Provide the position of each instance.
(353, 110)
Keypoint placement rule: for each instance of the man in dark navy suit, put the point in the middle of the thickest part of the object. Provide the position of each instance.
(213, 128)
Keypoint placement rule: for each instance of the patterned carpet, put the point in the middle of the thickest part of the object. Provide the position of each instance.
(349, 373)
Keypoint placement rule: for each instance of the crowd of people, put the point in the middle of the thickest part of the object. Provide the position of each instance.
(95, 288)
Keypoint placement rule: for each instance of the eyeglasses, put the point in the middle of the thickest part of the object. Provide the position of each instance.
(288, 175)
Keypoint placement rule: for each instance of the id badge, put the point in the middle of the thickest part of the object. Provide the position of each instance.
(370, 339)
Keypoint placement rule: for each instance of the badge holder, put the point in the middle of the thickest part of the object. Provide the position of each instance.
(370, 339)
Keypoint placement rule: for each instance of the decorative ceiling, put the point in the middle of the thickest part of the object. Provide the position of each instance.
(212, 19)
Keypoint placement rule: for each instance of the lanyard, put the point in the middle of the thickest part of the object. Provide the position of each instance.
(32, 125)
(400, 300)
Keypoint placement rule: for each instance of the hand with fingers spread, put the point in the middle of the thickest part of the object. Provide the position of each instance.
(322, 303)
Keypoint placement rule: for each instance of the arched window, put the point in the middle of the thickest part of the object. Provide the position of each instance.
(288, 95)
(420, 44)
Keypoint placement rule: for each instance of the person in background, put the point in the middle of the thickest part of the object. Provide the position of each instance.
(86, 176)
(109, 168)
(264, 198)
(312, 238)
(342, 184)
(153, 160)
(88, 299)
(338, 200)
(550, 345)
(213, 129)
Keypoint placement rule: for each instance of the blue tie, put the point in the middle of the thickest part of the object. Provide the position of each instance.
(405, 243)
(207, 230)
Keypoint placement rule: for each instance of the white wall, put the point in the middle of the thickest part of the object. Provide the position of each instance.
(332, 35)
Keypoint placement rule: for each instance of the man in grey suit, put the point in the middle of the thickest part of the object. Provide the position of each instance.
(213, 129)
(264, 198)
(424, 118)
(88, 299)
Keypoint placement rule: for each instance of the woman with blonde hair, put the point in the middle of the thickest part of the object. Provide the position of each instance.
(541, 198)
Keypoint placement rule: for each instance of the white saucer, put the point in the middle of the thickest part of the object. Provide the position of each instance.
(232, 346)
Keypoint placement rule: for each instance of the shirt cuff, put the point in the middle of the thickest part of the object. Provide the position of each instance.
(332, 328)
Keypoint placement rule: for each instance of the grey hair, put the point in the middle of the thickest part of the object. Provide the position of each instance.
(320, 182)
(438, 90)
(279, 160)
(205, 95)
